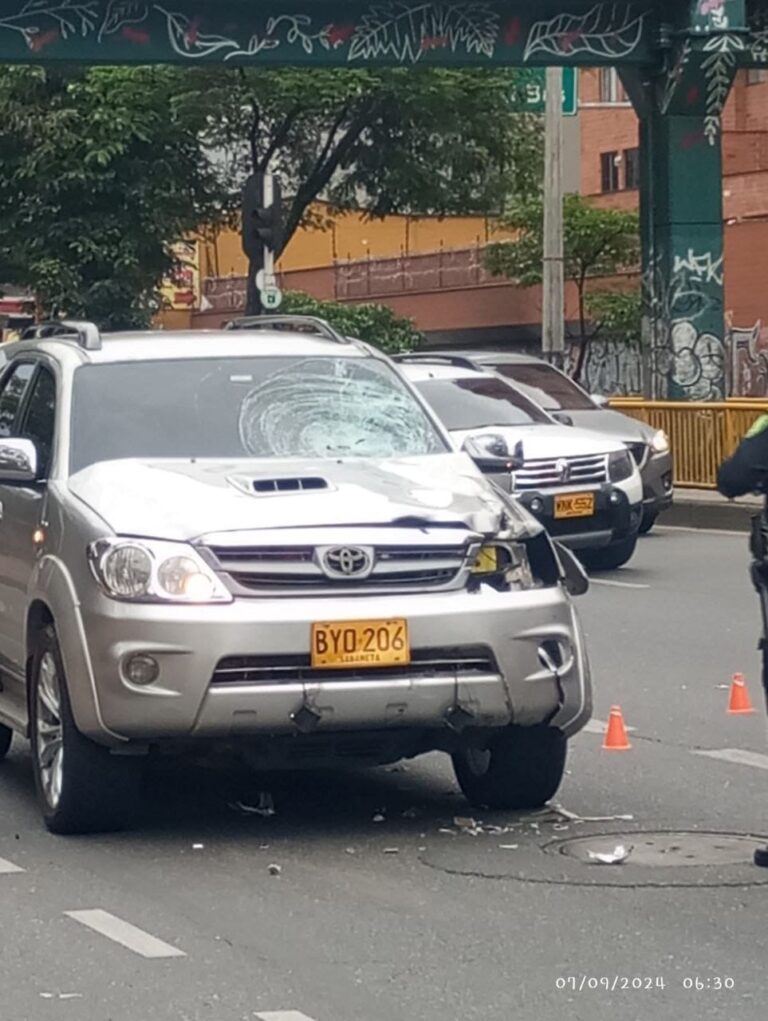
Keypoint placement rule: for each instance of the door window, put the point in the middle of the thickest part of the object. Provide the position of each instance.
(40, 418)
(11, 395)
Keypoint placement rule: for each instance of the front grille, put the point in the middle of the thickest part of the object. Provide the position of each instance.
(288, 569)
(639, 451)
(549, 473)
(462, 661)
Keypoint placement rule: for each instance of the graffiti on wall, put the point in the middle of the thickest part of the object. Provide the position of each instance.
(613, 369)
(389, 31)
(687, 359)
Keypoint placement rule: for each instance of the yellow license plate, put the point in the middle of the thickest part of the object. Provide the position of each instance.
(361, 643)
(575, 505)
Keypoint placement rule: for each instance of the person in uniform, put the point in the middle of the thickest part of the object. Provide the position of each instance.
(747, 472)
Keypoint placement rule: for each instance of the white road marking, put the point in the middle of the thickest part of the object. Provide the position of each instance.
(283, 1015)
(7, 867)
(617, 584)
(738, 756)
(600, 727)
(127, 935)
(734, 533)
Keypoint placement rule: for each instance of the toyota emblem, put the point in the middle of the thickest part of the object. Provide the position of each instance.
(353, 562)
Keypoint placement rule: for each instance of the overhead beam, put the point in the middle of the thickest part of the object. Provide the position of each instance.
(330, 33)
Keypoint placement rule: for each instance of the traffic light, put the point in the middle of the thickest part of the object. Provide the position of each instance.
(262, 219)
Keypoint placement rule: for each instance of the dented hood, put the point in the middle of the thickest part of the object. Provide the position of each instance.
(183, 500)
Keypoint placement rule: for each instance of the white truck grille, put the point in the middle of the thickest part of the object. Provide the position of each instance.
(557, 472)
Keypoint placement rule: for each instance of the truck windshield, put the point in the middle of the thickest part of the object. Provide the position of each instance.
(270, 407)
(479, 401)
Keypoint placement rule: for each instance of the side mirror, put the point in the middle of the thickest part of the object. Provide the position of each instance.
(599, 400)
(562, 417)
(575, 578)
(18, 461)
(491, 454)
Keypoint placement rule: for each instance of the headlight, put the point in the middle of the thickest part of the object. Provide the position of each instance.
(154, 572)
(505, 565)
(621, 465)
(660, 443)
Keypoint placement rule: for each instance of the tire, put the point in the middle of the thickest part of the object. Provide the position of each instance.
(6, 736)
(649, 520)
(81, 788)
(522, 768)
(609, 558)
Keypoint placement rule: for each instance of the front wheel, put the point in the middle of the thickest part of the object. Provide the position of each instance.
(521, 768)
(6, 736)
(81, 787)
(609, 558)
(648, 521)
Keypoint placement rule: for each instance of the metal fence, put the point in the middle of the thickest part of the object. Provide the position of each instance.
(701, 434)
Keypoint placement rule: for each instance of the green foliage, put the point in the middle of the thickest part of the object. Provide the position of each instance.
(376, 324)
(596, 242)
(424, 140)
(100, 173)
(616, 314)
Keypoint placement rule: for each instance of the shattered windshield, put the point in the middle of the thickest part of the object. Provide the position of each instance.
(271, 407)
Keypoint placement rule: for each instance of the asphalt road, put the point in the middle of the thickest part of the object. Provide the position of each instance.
(182, 920)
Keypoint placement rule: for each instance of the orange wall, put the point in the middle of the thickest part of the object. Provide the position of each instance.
(351, 236)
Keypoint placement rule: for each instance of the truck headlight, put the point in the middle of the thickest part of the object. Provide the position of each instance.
(621, 465)
(660, 443)
(154, 572)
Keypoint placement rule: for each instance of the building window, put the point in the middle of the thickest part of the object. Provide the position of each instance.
(611, 89)
(756, 76)
(631, 169)
(609, 171)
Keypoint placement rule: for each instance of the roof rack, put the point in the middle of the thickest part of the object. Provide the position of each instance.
(458, 361)
(87, 334)
(297, 323)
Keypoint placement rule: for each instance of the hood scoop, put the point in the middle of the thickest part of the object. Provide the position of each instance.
(279, 485)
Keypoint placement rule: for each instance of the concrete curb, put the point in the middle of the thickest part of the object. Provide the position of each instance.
(711, 512)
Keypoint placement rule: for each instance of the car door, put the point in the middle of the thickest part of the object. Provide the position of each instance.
(22, 514)
(14, 386)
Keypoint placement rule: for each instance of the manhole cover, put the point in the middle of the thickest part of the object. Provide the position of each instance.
(663, 849)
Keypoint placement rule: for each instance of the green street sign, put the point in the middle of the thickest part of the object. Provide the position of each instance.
(533, 91)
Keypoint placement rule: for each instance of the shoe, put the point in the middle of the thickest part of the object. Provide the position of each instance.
(761, 857)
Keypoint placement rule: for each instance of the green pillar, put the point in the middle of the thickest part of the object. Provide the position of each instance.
(681, 203)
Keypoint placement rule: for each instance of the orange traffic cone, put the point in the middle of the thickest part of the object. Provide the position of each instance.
(739, 703)
(616, 739)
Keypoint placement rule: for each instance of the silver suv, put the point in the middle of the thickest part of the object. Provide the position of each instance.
(261, 537)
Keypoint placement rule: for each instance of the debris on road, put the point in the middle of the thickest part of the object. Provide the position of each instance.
(464, 822)
(265, 806)
(411, 813)
(573, 817)
(350, 850)
(509, 847)
(391, 850)
(617, 857)
(198, 847)
(61, 996)
(379, 817)
(274, 870)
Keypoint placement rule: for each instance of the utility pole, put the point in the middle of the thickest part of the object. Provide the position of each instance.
(262, 232)
(553, 319)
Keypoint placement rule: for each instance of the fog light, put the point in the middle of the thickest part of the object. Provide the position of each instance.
(142, 669)
(537, 506)
(614, 498)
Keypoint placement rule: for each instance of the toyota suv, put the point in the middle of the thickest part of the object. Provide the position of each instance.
(261, 537)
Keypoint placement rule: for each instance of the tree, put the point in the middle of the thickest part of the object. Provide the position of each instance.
(597, 243)
(376, 324)
(428, 141)
(616, 315)
(100, 173)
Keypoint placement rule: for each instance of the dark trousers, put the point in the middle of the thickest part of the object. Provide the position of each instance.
(759, 572)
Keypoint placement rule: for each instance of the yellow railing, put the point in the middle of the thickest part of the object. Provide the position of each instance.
(701, 434)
